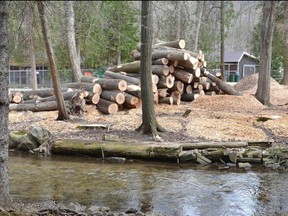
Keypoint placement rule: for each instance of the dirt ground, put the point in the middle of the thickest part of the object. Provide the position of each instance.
(214, 118)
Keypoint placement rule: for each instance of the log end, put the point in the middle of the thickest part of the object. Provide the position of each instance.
(122, 85)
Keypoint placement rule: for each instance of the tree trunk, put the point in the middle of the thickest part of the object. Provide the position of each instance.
(107, 83)
(197, 29)
(285, 62)
(263, 88)
(32, 52)
(62, 114)
(222, 32)
(71, 42)
(149, 123)
(4, 103)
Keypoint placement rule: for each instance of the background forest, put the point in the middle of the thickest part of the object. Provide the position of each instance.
(107, 31)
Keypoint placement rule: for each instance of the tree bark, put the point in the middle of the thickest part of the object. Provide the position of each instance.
(4, 103)
(71, 42)
(222, 32)
(62, 114)
(263, 88)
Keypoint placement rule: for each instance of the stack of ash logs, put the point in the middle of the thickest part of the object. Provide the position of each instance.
(177, 75)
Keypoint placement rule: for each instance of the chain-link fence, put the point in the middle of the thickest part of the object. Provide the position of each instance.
(23, 79)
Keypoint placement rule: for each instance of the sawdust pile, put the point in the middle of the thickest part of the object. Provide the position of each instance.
(245, 103)
(278, 93)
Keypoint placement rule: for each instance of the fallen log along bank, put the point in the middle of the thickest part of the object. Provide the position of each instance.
(177, 75)
(202, 152)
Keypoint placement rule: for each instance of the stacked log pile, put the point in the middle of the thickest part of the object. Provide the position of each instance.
(177, 75)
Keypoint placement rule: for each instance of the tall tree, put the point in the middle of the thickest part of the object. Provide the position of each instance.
(149, 123)
(62, 110)
(30, 21)
(4, 105)
(222, 32)
(71, 42)
(263, 88)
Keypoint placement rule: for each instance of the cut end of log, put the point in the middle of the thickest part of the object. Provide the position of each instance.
(120, 98)
(97, 89)
(182, 43)
(122, 85)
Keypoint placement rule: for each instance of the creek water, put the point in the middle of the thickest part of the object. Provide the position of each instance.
(162, 188)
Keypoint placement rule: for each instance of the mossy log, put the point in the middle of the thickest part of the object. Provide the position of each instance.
(143, 150)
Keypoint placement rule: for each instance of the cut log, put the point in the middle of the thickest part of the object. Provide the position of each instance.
(17, 97)
(31, 94)
(120, 149)
(111, 84)
(155, 97)
(166, 81)
(176, 95)
(128, 79)
(223, 86)
(189, 89)
(155, 78)
(210, 93)
(160, 70)
(113, 96)
(179, 56)
(198, 91)
(166, 100)
(92, 98)
(66, 96)
(182, 75)
(205, 84)
(179, 44)
(162, 92)
(134, 90)
(130, 99)
(176, 101)
(191, 63)
(130, 67)
(161, 61)
(171, 69)
(90, 87)
(189, 97)
(177, 86)
(38, 107)
(130, 106)
(107, 107)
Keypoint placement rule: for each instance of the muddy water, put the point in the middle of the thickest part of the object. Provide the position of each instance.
(166, 189)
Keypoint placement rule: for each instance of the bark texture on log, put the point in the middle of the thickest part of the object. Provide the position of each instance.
(119, 149)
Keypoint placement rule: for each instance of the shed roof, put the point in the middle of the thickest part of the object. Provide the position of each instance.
(236, 56)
